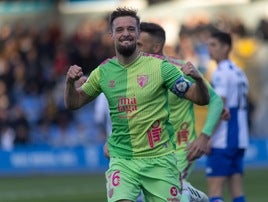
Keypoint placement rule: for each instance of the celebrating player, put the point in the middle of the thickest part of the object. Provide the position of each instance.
(136, 86)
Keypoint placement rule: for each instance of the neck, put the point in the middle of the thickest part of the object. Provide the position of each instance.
(221, 59)
(160, 53)
(123, 60)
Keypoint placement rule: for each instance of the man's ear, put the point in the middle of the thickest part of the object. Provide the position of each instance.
(157, 48)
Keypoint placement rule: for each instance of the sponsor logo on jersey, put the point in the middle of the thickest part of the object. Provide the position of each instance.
(183, 133)
(127, 105)
(154, 133)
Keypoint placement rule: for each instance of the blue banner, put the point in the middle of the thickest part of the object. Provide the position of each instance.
(27, 160)
(90, 159)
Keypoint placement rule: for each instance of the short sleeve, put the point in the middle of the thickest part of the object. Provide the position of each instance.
(92, 86)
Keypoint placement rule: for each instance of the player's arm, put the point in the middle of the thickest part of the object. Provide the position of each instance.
(177, 82)
(105, 150)
(198, 91)
(224, 115)
(215, 110)
(74, 97)
(215, 107)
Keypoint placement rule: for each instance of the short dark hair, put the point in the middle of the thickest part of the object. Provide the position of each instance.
(223, 37)
(154, 30)
(123, 11)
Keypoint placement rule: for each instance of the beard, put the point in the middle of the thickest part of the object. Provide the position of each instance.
(126, 50)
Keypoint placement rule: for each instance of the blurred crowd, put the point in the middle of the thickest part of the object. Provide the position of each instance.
(34, 61)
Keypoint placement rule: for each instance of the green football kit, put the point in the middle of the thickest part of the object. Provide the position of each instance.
(182, 117)
(141, 132)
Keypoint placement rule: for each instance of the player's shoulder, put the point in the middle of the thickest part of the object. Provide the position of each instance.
(175, 61)
(152, 56)
(158, 59)
(241, 74)
(107, 61)
(224, 65)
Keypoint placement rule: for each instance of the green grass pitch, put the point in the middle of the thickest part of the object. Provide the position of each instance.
(91, 188)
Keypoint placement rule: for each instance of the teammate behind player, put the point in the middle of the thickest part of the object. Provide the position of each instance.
(189, 146)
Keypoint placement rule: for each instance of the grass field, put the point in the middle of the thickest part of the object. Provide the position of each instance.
(91, 188)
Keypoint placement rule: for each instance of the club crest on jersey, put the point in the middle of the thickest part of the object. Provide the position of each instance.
(142, 80)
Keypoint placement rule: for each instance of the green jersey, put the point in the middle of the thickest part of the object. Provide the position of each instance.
(138, 101)
(182, 115)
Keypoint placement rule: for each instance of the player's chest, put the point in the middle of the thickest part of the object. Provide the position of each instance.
(132, 81)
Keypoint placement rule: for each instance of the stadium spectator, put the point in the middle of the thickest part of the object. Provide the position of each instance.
(7, 133)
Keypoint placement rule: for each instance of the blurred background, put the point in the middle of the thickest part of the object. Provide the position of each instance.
(40, 39)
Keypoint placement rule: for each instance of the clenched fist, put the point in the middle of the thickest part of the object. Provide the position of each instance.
(74, 73)
(189, 69)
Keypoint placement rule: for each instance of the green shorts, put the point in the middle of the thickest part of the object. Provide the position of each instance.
(157, 178)
(184, 166)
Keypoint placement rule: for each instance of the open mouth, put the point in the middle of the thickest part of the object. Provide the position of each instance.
(126, 42)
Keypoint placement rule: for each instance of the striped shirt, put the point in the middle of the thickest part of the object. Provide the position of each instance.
(231, 83)
(182, 115)
(138, 101)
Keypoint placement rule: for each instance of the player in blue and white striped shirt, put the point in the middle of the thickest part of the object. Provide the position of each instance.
(230, 139)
